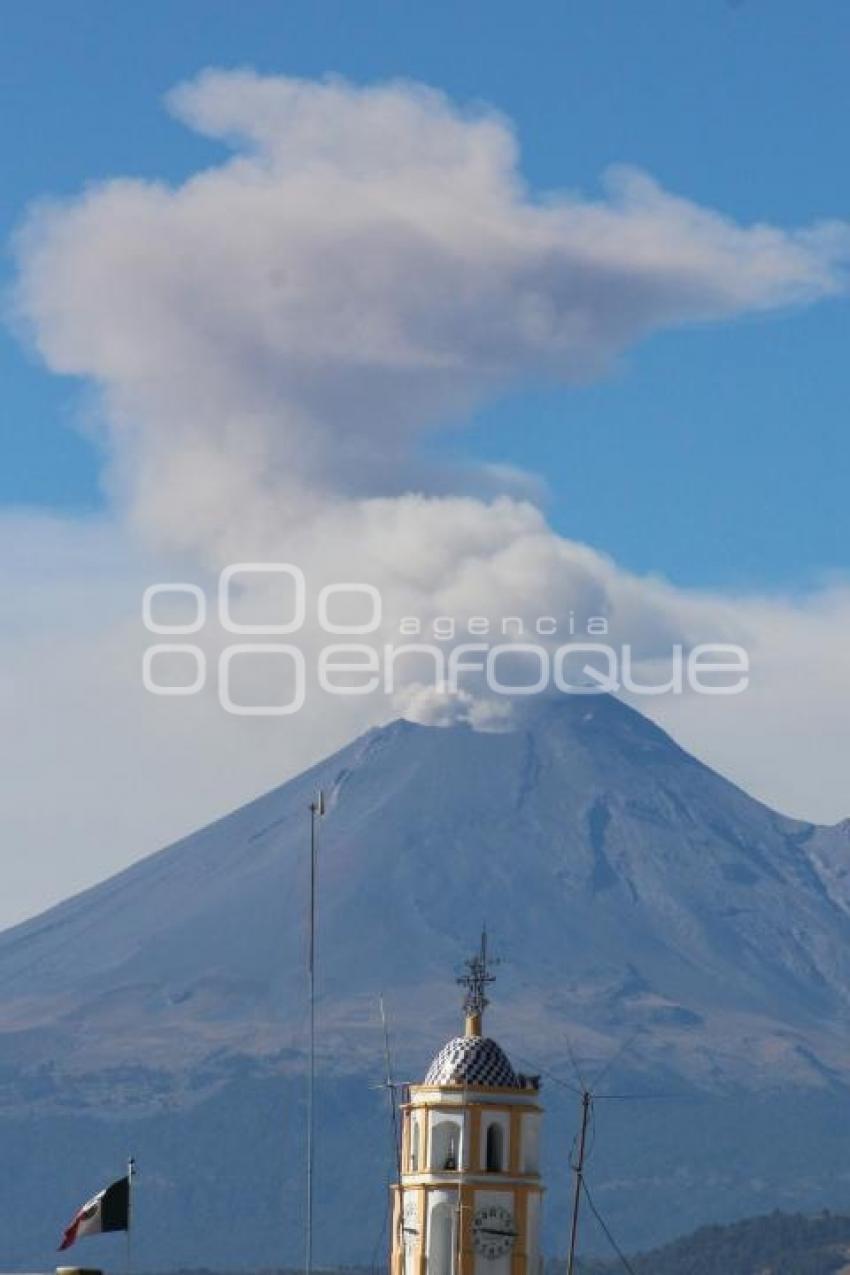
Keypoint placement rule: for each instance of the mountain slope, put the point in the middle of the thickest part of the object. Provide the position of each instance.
(627, 887)
(778, 1244)
(632, 893)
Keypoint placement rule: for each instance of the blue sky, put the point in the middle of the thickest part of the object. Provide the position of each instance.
(716, 455)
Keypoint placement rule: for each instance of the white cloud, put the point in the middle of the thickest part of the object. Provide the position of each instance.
(787, 740)
(269, 340)
(282, 325)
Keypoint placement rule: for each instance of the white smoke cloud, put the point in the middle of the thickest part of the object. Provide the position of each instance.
(280, 327)
(269, 341)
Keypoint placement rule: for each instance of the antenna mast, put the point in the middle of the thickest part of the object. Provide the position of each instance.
(317, 809)
(578, 1168)
(389, 1085)
(131, 1174)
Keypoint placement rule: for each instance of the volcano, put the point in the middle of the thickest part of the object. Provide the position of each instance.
(658, 930)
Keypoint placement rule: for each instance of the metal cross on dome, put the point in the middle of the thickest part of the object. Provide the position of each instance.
(476, 978)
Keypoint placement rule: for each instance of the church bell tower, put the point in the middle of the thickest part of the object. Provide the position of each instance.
(469, 1198)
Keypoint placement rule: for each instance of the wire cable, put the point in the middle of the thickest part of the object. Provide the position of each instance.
(538, 1070)
(575, 1066)
(624, 1048)
(605, 1097)
(610, 1238)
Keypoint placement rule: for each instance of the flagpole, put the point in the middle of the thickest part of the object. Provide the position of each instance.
(131, 1170)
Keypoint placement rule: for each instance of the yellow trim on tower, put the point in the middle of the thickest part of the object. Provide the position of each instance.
(516, 1126)
(519, 1257)
(474, 1089)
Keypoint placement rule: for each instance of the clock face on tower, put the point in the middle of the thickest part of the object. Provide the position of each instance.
(494, 1231)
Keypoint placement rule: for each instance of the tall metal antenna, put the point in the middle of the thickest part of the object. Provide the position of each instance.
(131, 1174)
(317, 809)
(578, 1169)
(389, 1085)
(476, 980)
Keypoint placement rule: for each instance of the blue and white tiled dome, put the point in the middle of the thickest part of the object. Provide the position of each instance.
(473, 1060)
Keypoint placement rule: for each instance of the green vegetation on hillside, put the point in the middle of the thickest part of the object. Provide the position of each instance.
(777, 1244)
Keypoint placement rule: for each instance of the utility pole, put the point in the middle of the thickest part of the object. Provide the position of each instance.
(578, 1168)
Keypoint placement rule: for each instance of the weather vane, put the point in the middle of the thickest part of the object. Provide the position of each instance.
(476, 978)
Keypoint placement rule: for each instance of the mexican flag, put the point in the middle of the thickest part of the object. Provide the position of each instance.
(107, 1211)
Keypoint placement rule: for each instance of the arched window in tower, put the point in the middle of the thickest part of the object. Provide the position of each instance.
(440, 1246)
(494, 1157)
(414, 1145)
(445, 1144)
